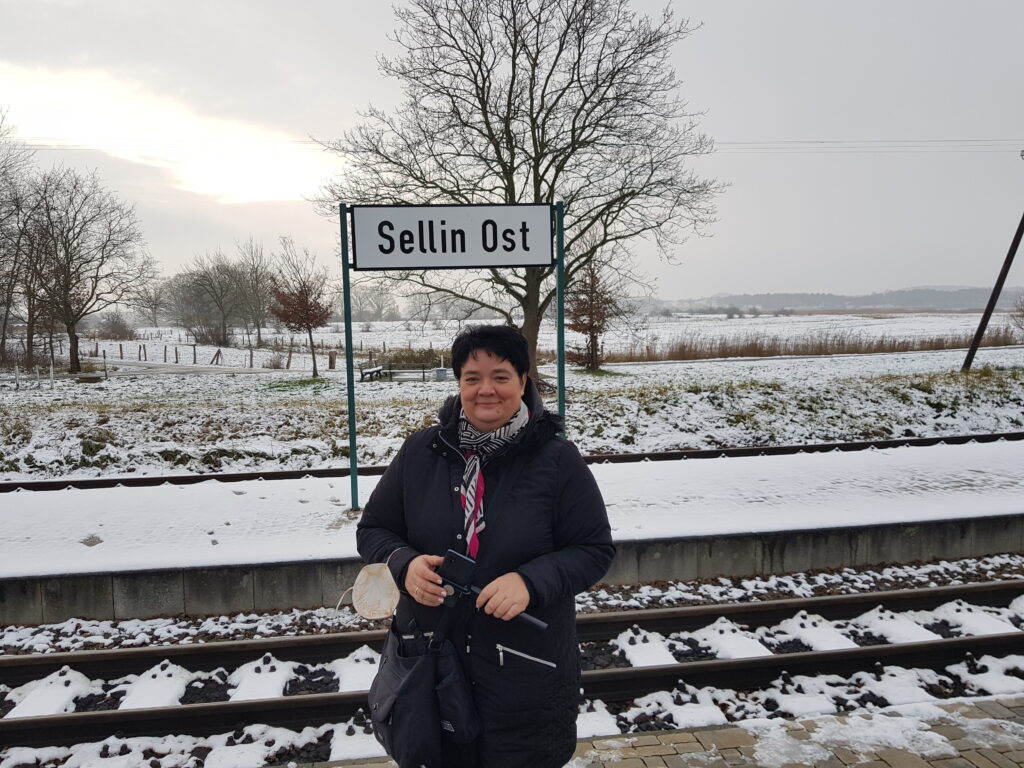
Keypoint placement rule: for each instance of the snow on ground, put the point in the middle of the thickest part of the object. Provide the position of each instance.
(638, 333)
(212, 523)
(160, 423)
(908, 726)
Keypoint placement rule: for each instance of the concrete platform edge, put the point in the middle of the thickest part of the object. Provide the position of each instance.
(282, 586)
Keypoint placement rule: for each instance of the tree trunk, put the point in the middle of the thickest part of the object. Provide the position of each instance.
(532, 318)
(312, 351)
(30, 339)
(3, 332)
(259, 336)
(593, 352)
(76, 367)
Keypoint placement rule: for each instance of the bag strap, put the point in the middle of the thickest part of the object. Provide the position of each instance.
(444, 625)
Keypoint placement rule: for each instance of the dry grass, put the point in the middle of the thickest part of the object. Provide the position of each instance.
(698, 347)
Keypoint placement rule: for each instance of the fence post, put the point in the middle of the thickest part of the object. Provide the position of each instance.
(51, 374)
(250, 358)
(175, 355)
(106, 374)
(288, 365)
(120, 349)
(193, 354)
(17, 382)
(165, 353)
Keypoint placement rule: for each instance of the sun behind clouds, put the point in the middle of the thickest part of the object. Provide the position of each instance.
(229, 160)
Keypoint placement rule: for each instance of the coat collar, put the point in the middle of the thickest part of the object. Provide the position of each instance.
(543, 424)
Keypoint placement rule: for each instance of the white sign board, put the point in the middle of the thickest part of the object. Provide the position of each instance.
(451, 236)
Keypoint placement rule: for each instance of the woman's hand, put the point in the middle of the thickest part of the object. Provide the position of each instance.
(422, 582)
(505, 597)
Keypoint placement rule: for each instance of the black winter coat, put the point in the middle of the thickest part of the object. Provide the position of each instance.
(546, 521)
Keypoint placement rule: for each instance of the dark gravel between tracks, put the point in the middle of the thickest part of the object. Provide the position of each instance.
(76, 634)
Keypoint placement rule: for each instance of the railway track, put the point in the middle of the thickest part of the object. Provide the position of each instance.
(610, 458)
(616, 684)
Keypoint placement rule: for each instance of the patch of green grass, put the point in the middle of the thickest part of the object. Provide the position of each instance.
(289, 385)
(15, 430)
(600, 372)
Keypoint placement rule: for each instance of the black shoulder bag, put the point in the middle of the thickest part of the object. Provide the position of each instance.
(420, 695)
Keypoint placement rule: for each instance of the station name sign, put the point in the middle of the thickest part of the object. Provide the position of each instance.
(451, 236)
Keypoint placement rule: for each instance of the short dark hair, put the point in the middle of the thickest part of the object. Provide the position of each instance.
(502, 341)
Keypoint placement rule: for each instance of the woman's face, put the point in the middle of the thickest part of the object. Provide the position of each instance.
(490, 390)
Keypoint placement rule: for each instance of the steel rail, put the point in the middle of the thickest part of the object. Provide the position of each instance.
(593, 458)
(315, 649)
(744, 674)
(610, 684)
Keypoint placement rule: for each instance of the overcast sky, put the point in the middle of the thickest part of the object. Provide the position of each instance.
(867, 145)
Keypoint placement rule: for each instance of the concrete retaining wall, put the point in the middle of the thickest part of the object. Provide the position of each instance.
(280, 586)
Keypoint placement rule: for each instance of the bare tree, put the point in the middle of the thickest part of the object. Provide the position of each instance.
(218, 296)
(534, 101)
(301, 290)
(91, 252)
(192, 310)
(1017, 314)
(31, 306)
(596, 301)
(256, 272)
(15, 166)
(150, 300)
(372, 300)
(114, 325)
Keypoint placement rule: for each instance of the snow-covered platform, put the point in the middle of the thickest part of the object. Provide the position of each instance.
(216, 547)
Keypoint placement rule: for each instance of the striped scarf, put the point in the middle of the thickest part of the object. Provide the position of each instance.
(478, 448)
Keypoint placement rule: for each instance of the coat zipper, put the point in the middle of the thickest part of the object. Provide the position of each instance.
(441, 437)
(501, 656)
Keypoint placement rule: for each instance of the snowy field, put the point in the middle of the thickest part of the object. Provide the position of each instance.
(639, 333)
(147, 422)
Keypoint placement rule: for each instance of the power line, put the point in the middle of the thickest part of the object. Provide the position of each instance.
(772, 147)
(867, 146)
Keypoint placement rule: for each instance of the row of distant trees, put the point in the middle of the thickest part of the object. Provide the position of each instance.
(71, 249)
(539, 101)
(215, 293)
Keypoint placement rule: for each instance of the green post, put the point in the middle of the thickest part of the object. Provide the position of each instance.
(560, 292)
(353, 462)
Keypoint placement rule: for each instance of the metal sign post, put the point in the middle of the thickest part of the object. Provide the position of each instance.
(560, 293)
(353, 461)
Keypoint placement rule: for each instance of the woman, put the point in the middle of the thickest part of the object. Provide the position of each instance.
(494, 480)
